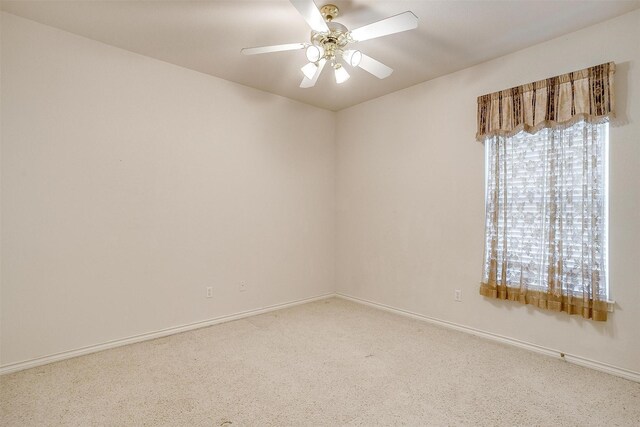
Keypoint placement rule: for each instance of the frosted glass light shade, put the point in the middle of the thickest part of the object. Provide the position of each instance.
(309, 70)
(341, 74)
(353, 57)
(314, 53)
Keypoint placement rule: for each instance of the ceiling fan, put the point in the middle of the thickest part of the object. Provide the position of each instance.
(331, 42)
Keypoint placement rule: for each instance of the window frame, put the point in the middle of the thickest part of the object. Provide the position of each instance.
(606, 156)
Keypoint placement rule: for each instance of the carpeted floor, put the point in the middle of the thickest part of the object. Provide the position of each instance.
(331, 362)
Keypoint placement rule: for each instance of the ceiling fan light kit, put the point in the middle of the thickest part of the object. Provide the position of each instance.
(353, 57)
(330, 40)
(314, 53)
(340, 73)
(309, 70)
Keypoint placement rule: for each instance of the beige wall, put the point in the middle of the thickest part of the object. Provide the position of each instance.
(410, 198)
(129, 185)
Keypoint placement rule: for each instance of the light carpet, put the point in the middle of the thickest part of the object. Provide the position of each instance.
(330, 362)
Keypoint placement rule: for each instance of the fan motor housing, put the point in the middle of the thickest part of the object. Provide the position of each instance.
(335, 40)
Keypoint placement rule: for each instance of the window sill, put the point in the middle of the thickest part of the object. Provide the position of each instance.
(610, 305)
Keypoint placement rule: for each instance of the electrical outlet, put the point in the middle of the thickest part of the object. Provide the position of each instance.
(457, 296)
(209, 291)
(242, 287)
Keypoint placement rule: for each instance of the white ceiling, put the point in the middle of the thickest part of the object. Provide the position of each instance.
(207, 36)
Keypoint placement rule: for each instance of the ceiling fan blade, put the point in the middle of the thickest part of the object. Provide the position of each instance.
(311, 14)
(269, 49)
(394, 24)
(374, 67)
(307, 82)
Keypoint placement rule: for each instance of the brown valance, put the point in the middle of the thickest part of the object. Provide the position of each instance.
(558, 101)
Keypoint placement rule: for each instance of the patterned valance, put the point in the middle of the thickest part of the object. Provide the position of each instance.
(558, 101)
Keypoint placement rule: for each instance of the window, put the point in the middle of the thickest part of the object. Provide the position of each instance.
(551, 230)
(546, 199)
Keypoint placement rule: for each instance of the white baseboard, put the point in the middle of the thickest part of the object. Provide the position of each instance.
(593, 364)
(599, 366)
(32, 363)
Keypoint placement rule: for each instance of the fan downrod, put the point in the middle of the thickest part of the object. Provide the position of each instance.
(329, 12)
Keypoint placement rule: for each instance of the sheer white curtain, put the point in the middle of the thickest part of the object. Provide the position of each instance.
(546, 219)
